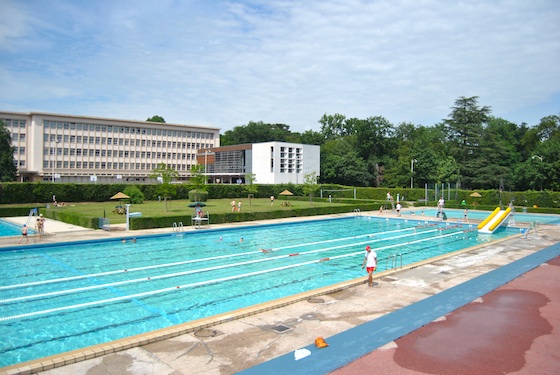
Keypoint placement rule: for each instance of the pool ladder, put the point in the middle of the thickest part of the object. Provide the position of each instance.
(535, 227)
(394, 261)
(178, 227)
(357, 212)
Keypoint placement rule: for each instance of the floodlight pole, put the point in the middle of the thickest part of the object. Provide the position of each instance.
(412, 172)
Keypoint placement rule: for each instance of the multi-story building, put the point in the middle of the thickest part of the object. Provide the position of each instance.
(66, 148)
(269, 162)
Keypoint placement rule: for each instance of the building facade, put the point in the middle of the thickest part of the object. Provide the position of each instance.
(65, 148)
(270, 162)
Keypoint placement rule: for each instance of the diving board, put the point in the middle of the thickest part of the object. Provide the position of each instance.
(492, 222)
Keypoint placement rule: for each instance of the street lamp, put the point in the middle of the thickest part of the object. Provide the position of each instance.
(412, 172)
(206, 153)
(537, 157)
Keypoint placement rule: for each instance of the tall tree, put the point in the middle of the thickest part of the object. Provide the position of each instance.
(335, 126)
(8, 169)
(341, 164)
(464, 129)
(255, 132)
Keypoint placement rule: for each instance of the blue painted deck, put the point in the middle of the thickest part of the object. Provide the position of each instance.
(356, 342)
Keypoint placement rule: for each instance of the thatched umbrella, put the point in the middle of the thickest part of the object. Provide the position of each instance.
(475, 195)
(120, 195)
(286, 192)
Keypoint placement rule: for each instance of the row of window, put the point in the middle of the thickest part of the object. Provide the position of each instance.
(124, 129)
(14, 123)
(118, 153)
(47, 164)
(122, 141)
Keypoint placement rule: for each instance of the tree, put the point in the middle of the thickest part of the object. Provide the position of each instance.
(310, 185)
(198, 180)
(341, 164)
(250, 187)
(8, 169)
(165, 175)
(255, 132)
(334, 126)
(464, 129)
(156, 118)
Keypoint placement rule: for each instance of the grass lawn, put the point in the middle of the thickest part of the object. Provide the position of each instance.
(180, 207)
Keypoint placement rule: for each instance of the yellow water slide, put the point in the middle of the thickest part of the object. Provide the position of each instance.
(492, 222)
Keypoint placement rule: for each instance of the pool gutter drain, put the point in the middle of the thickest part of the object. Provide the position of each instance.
(280, 328)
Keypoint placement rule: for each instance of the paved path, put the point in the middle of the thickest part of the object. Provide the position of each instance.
(514, 326)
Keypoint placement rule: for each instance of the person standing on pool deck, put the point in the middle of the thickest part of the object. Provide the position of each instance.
(399, 209)
(370, 262)
(24, 234)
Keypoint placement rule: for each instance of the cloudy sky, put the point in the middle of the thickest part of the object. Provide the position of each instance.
(224, 63)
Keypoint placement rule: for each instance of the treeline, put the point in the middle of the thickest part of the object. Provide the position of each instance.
(470, 148)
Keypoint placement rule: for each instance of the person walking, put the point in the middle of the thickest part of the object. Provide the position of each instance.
(399, 209)
(233, 206)
(24, 233)
(370, 262)
(239, 206)
(272, 200)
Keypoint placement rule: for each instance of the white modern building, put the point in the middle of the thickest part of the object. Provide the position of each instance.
(270, 162)
(65, 148)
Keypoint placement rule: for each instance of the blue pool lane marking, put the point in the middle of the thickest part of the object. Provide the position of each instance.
(151, 309)
(356, 342)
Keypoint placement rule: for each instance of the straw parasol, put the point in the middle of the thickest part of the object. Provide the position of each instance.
(286, 192)
(475, 195)
(120, 195)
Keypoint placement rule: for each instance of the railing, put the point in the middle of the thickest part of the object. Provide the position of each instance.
(357, 212)
(178, 227)
(394, 263)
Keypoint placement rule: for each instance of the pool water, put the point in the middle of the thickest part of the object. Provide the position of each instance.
(481, 215)
(59, 298)
(8, 229)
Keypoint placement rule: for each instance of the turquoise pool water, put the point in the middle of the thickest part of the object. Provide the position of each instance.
(9, 229)
(520, 217)
(56, 298)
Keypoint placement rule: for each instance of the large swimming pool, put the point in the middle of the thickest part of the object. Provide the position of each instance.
(56, 298)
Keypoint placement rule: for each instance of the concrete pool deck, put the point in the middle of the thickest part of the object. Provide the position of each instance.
(239, 341)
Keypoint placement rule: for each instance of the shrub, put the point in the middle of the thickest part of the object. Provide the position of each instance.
(135, 194)
(197, 195)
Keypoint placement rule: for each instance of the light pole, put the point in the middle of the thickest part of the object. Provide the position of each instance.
(412, 172)
(206, 153)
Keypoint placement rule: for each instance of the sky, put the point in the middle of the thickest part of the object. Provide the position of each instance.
(224, 63)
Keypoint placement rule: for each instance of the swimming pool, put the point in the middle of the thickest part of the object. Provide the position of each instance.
(59, 298)
(8, 229)
(481, 215)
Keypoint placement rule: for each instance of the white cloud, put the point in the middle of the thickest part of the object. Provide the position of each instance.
(225, 63)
